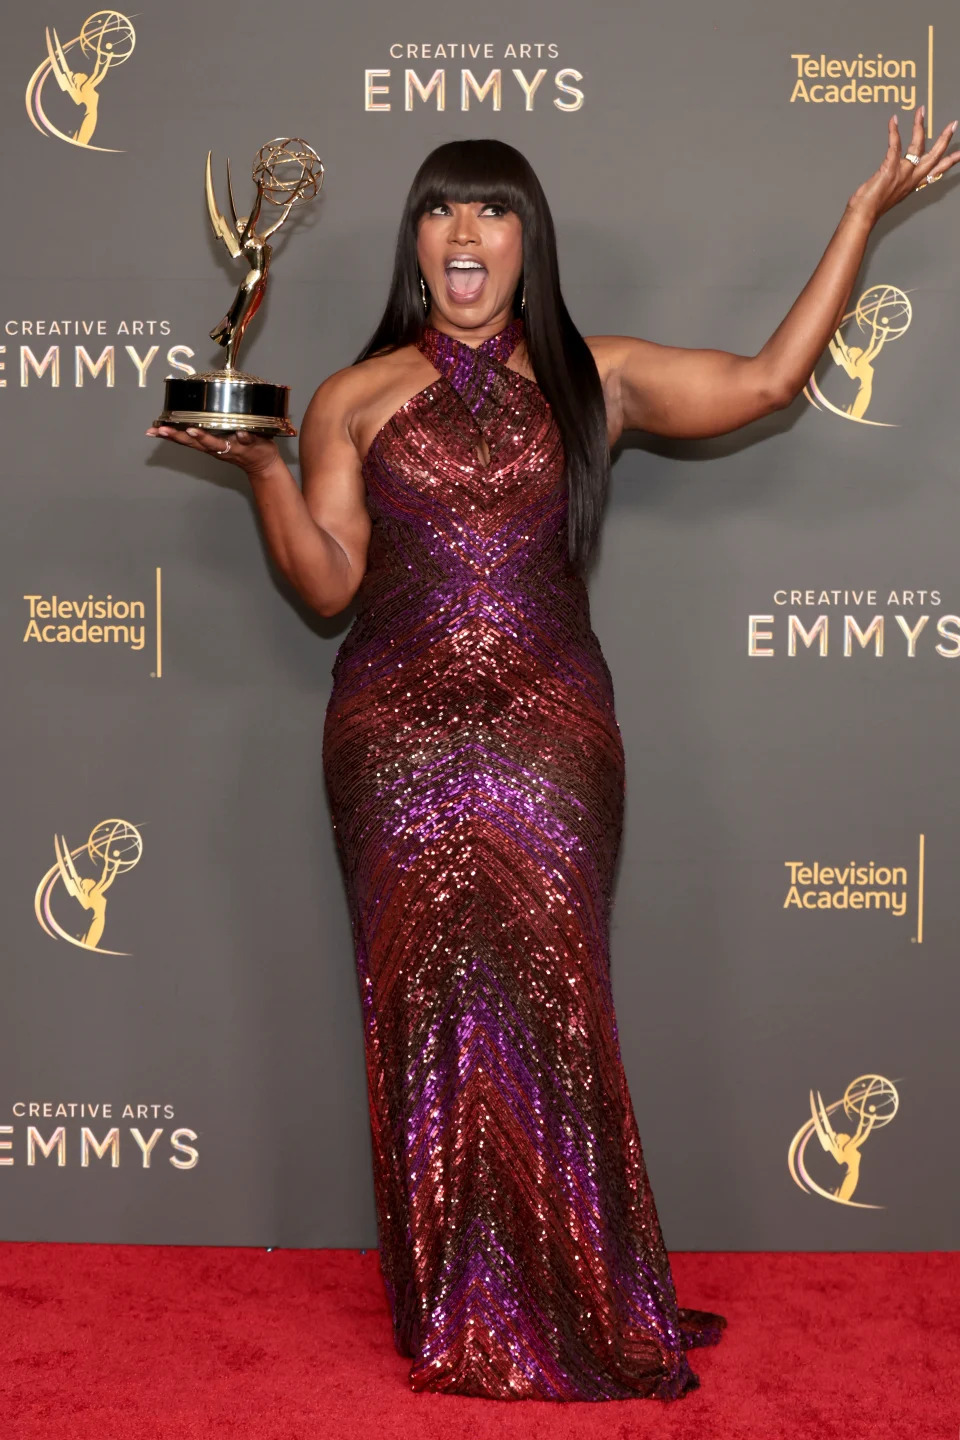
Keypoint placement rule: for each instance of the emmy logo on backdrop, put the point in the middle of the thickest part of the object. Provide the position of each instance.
(882, 314)
(105, 41)
(869, 1103)
(113, 847)
(285, 172)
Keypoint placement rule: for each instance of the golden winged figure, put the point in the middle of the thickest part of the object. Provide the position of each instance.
(844, 1148)
(90, 893)
(81, 87)
(242, 243)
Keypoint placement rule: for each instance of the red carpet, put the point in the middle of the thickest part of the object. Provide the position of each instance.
(175, 1343)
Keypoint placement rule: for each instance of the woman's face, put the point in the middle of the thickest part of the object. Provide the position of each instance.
(471, 257)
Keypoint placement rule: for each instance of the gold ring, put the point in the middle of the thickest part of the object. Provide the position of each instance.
(228, 444)
(914, 159)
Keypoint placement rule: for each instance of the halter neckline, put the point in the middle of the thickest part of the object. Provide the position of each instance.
(499, 346)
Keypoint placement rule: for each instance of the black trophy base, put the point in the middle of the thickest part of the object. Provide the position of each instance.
(226, 400)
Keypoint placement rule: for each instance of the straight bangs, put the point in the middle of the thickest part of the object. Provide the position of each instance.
(469, 187)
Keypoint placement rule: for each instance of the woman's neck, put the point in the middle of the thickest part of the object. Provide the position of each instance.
(474, 336)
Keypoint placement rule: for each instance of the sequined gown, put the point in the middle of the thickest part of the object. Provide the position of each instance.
(475, 776)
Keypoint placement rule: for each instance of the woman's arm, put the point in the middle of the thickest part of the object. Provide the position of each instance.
(317, 536)
(670, 390)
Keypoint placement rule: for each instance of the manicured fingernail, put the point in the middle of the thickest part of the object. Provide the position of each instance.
(923, 110)
(896, 121)
(953, 127)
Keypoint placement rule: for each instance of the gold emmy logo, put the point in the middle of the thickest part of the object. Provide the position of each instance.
(882, 314)
(105, 41)
(868, 1103)
(113, 847)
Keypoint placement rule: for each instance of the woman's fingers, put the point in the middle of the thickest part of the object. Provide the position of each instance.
(890, 165)
(929, 165)
(196, 439)
(932, 163)
(171, 432)
(916, 136)
(220, 443)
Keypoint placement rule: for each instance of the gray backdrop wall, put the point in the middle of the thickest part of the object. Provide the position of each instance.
(694, 186)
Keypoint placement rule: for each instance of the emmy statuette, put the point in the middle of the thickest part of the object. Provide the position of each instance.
(285, 172)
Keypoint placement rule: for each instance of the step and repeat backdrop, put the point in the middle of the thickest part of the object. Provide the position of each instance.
(180, 1040)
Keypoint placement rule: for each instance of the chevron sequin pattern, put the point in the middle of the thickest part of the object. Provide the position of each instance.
(475, 775)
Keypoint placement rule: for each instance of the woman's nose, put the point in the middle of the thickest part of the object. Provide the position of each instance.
(464, 227)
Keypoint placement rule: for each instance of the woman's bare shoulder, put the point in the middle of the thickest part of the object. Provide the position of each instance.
(351, 388)
(358, 399)
(606, 350)
(362, 377)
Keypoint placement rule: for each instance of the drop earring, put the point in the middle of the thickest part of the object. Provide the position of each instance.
(523, 297)
(423, 292)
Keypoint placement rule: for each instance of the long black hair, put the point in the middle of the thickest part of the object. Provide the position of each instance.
(565, 370)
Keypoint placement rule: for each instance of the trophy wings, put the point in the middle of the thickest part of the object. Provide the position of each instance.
(221, 229)
(68, 871)
(821, 1123)
(59, 66)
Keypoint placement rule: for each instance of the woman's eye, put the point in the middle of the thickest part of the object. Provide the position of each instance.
(493, 205)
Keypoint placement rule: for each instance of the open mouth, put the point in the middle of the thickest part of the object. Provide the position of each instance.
(465, 280)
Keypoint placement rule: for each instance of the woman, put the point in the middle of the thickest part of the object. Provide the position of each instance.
(453, 482)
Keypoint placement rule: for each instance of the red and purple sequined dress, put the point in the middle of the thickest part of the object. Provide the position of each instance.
(475, 774)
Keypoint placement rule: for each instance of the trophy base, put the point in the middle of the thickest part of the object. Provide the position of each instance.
(226, 400)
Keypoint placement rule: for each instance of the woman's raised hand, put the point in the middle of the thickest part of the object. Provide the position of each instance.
(238, 447)
(898, 176)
